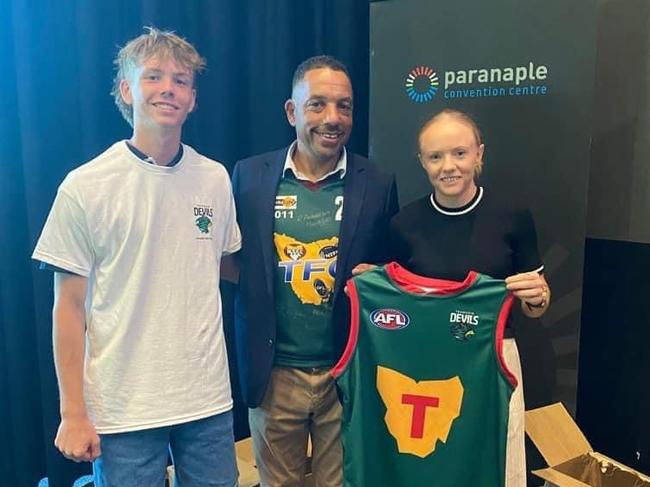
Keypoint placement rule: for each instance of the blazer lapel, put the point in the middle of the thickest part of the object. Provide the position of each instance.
(270, 175)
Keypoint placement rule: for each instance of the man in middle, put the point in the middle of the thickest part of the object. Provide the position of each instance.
(308, 214)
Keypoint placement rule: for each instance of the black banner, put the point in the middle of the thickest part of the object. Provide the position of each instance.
(525, 72)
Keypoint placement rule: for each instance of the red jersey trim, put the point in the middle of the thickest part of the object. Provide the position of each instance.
(416, 284)
(351, 345)
(498, 342)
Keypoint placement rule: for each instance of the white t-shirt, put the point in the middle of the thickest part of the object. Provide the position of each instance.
(150, 240)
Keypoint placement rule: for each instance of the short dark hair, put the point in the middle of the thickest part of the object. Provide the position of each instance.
(317, 62)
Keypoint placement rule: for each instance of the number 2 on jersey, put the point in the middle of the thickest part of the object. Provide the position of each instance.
(338, 202)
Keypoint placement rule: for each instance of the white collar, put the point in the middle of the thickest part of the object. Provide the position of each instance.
(341, 165)
(463, 211)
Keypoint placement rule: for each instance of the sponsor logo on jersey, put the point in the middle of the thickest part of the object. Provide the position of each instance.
(308, 267)
(389, 319)
(295, 251)
(203, 218)
(463, 324)
(419, 414)
(323, 290)
(286, 202)
(329, 251)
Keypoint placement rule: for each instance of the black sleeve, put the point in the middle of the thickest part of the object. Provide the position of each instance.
(397, 249)
(393, 202)
(526, 254)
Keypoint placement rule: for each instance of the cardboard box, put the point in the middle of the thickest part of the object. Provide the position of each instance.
(248, 476)
(572, 462)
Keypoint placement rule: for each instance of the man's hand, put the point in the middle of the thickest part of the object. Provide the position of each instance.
(77, 439)
(361, 268)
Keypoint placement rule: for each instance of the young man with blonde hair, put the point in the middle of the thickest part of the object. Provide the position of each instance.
(135, 238)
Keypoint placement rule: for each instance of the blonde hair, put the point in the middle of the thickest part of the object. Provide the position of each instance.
(462, 117)
(153, 43)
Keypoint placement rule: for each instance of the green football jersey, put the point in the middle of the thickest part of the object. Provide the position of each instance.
(306, 241)
(424, 388)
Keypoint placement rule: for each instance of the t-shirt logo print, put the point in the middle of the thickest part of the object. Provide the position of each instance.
(419, 414)
(203, 220)
(204, 224)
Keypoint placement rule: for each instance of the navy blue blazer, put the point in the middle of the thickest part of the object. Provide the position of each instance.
(370, 200)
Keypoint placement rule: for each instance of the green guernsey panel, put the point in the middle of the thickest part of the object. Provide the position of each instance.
(306, 237)
(424, 389)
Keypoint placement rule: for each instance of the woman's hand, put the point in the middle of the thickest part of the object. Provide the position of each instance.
(533, 291)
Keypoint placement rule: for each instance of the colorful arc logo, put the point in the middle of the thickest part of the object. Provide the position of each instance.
(421, 84)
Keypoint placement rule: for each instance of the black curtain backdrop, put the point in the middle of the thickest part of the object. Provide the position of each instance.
(56, 113)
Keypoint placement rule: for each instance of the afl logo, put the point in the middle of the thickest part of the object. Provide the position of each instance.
(389, 319)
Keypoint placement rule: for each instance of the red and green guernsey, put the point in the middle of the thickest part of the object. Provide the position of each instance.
(424, 387)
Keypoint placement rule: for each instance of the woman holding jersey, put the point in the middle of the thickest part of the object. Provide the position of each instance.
(462, 226)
